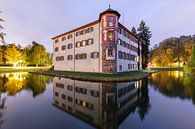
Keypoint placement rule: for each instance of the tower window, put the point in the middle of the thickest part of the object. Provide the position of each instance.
(111, 20)
(110, 35)
(110, 52)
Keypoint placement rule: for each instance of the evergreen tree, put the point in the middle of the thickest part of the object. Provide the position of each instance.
(133, 31)
(144, 35)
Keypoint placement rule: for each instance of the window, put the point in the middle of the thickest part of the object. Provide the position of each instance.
(69, 87)
(85, 56)
(70, 99)
(77, 44)
(120, 54)
(111, 21)
(124, 56)
(110, 35)
(94, 55)
(90, 29)
(60, 85)
(63, 47)
(69, 57)
(56, 94)
(94, 93)
(57, 40)
(77, 33)
(69, 36)
(119, 30)
(90, 41)
(70, 45)
(120, 67)
(59, 58)
(110, 52)
(81, 56)
(56, 49)
(128, 56)
(129, 66)
(119, 41)
(63, 38)
(81, 32)
(64, 96)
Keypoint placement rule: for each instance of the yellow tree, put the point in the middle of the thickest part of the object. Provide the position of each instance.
(13, 55)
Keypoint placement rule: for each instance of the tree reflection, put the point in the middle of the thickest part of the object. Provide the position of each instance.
(144, 99)
(174, 84)
(37, 83)
(15, 82)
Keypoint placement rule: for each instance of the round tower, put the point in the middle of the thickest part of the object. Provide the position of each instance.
(109, 27)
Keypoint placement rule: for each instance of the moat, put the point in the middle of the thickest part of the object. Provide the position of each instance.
(165, 100)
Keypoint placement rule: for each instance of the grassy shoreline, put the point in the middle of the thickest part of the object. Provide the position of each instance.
(167, 68)
(22, 69)
(97, 77)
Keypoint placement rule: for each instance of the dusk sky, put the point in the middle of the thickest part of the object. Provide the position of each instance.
(40, 20)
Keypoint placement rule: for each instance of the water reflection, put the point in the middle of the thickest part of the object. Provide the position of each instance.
(103, 105)
(174, 84)
(12, 83)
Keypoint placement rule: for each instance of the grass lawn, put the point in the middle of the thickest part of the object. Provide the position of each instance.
(21, 69)
(97, 77)
(167, 68)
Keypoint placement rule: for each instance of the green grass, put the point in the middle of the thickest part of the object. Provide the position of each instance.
(97, 77)
(22, 69)
(167, 68)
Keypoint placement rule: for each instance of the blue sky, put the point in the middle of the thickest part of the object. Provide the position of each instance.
(40, 20)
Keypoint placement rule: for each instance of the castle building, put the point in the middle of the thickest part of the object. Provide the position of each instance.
(102, 46)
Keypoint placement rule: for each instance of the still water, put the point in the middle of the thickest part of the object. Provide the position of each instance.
(165, 100)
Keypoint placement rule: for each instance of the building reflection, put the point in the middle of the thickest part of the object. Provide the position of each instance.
(103, 105)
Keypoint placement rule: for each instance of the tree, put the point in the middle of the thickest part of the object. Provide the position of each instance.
(174, 50)
(144, 35)
(133, 31)
(192, 58)
(39, 55)
(1, 33)
(13, 55)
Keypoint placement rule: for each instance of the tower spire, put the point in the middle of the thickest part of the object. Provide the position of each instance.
(109, 6)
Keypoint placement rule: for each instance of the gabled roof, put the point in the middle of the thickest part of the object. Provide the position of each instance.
(79, 28)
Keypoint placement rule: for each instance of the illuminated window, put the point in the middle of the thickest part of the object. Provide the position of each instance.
(110, 35)
(90, 41)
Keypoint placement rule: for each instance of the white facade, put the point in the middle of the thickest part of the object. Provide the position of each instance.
(86, 53)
